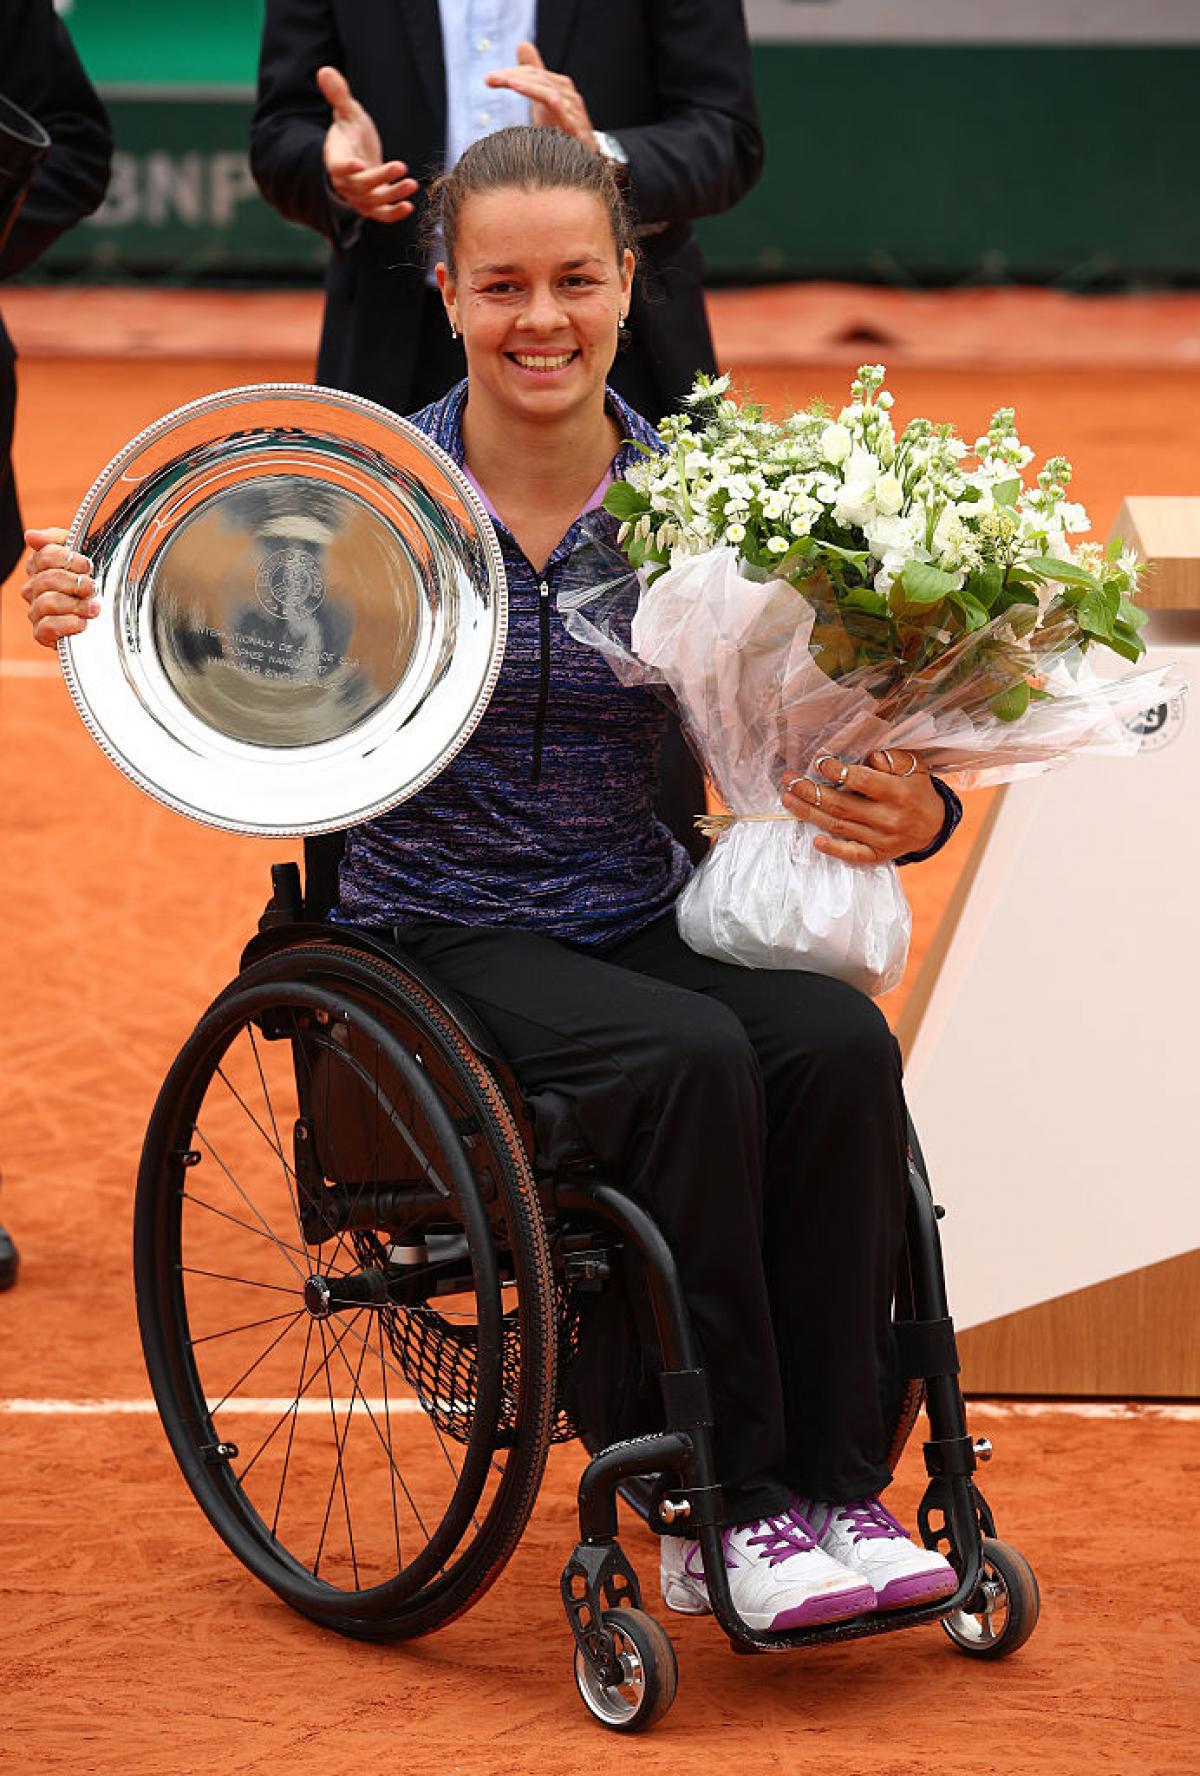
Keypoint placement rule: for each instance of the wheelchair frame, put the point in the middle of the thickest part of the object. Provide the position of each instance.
(625, 1667)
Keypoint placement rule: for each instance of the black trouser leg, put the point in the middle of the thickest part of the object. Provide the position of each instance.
(835, 1186)
(665, 1090)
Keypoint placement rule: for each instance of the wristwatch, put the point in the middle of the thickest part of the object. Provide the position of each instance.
(610, 148)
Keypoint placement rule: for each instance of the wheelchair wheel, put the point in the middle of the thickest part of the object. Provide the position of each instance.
(1004, 1610)
(649, 1674)
(345, 1293)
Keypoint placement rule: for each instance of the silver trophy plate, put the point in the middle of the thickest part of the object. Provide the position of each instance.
(303, 610)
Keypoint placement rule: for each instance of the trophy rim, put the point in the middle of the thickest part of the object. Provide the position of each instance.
(487, 540)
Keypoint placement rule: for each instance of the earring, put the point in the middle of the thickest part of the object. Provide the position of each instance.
(621, 322)
(453, 329)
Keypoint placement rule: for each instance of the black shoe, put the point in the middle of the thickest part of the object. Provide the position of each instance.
(10, 1260)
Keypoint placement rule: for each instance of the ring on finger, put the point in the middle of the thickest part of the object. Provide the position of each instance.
(843, 768)
(817, 795)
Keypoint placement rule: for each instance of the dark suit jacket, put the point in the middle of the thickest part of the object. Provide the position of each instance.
(670, 77)
(40, 72)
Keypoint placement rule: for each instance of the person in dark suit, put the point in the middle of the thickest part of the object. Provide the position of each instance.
(40, 73)
(659, 87)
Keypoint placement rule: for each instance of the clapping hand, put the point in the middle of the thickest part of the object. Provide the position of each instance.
(554, 98)
(378, 190)
(871, 813)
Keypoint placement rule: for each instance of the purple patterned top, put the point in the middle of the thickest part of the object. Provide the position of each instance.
(545, 820)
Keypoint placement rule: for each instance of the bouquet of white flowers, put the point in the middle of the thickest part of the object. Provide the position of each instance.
(821, 586)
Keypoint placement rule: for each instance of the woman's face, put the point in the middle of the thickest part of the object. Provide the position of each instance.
(537, 294)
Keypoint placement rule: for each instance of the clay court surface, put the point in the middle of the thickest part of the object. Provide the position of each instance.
(133, 1640)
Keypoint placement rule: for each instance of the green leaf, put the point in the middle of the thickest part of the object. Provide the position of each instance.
(1067, 573)
(1126, 642)
(1096, 612)
(986, 584)
(625, 502)
(925, 584)
(1129, 614)
(856, 557)
(865, 598)
(1114, 548)
(975, 615)
(1011, 704)
(1007, 493)
(1015, 593)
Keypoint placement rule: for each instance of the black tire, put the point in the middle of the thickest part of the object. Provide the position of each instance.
(1004, 1610)
(651, 1674)
(328, 1139)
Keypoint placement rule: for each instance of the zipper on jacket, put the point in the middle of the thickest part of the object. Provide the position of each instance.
(539, 720)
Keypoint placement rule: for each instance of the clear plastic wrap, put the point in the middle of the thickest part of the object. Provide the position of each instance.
(739, 657)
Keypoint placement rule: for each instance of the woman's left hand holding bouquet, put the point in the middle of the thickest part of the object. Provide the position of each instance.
(869, 813)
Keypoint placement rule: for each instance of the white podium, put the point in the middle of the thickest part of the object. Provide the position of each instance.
(1054, 1073)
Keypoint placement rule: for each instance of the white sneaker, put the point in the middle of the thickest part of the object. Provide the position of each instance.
(864, 1537)
(778, 1577)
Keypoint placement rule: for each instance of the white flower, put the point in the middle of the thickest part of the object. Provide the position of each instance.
(836, 443)
(735, 533)
(889, 495)
(778, 545)
(706, 390)
(1074, 518)
(895, 535)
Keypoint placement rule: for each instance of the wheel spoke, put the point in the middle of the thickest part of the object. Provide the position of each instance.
(387, 1419)
(386, 1445)
(294, 1413)
(260, 1358)
(339, 1472)
(249, 1326)
(290, 1180)
(271, 1238)
(247, 1199)
(289, 1410)
(223, 1276)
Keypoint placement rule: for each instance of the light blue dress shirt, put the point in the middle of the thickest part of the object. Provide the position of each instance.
(479, 36)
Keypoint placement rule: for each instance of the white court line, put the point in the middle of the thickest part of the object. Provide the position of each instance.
(1127, 1410)
(260, 1407)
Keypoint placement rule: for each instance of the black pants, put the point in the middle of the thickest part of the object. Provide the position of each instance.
(759, 1115)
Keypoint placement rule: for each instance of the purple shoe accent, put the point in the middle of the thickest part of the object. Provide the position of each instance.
(781, 1537)
(835, 1606)
(872, 1521)
(917, 1588)
(695, 1552)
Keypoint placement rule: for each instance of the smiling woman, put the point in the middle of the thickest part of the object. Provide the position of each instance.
(759, 1115)
(537, 278)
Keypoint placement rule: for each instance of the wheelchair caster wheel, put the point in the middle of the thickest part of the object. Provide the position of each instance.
(1004, 1610)
(649, 1677)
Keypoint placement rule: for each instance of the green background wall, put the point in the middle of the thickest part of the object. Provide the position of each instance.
(899, 162)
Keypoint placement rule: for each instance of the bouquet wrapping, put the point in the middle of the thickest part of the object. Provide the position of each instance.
(795, 607)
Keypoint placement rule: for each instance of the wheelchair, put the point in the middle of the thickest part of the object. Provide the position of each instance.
(364, 1275)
